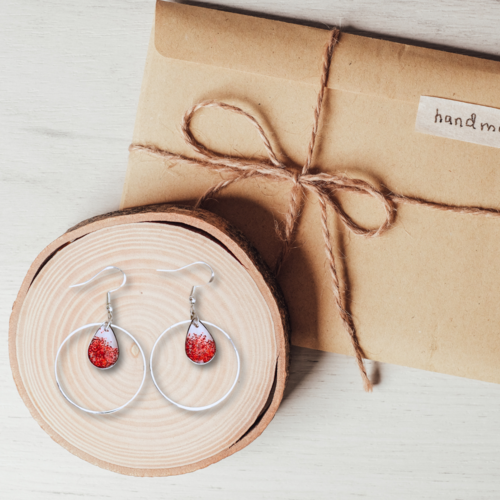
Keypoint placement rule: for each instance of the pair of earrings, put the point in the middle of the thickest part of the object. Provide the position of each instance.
(103, 350)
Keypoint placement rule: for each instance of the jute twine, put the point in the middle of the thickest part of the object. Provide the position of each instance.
(322, 185)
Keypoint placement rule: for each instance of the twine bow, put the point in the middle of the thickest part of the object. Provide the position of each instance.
(322, 185)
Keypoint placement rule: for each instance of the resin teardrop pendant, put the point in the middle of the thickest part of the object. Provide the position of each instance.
(103, 348)
(200, 345)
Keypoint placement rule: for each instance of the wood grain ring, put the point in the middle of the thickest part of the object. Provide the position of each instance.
(143, 439)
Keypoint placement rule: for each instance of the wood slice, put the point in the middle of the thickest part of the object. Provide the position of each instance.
(151, 437)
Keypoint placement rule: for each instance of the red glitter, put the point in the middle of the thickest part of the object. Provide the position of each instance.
(101, 354)
(199, 348)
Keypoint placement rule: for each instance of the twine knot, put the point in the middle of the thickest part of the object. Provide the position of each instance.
(296, 178)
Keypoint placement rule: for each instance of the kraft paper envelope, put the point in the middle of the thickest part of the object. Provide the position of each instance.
(427, 293)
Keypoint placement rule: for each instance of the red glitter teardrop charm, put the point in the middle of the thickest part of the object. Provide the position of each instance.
(200, 345)
(103, 348)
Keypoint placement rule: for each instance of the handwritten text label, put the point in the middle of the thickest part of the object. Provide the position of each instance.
(459, 120)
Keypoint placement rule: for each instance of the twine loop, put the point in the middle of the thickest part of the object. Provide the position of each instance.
(322, 185)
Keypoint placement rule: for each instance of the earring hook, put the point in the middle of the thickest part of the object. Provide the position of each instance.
(108, 294)
(101, 271)
(212, 276)
(192, 300)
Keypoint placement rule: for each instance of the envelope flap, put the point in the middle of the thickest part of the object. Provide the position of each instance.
(239, 42)
(294, 52)
(405, 72)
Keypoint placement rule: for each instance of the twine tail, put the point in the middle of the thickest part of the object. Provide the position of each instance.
(291, 221)
(340, 295)
(211, 192)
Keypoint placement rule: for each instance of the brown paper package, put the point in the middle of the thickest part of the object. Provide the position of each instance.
(427, 293)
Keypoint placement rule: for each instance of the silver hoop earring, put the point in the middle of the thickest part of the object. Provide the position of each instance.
(200, 347)
(103, 350)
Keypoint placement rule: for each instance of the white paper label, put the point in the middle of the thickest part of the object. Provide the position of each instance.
(459, 120)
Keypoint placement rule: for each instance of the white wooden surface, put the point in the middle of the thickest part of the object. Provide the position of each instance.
(70, 74)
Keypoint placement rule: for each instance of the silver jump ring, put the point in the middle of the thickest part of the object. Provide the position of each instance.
(97, 412)
(194, 408)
